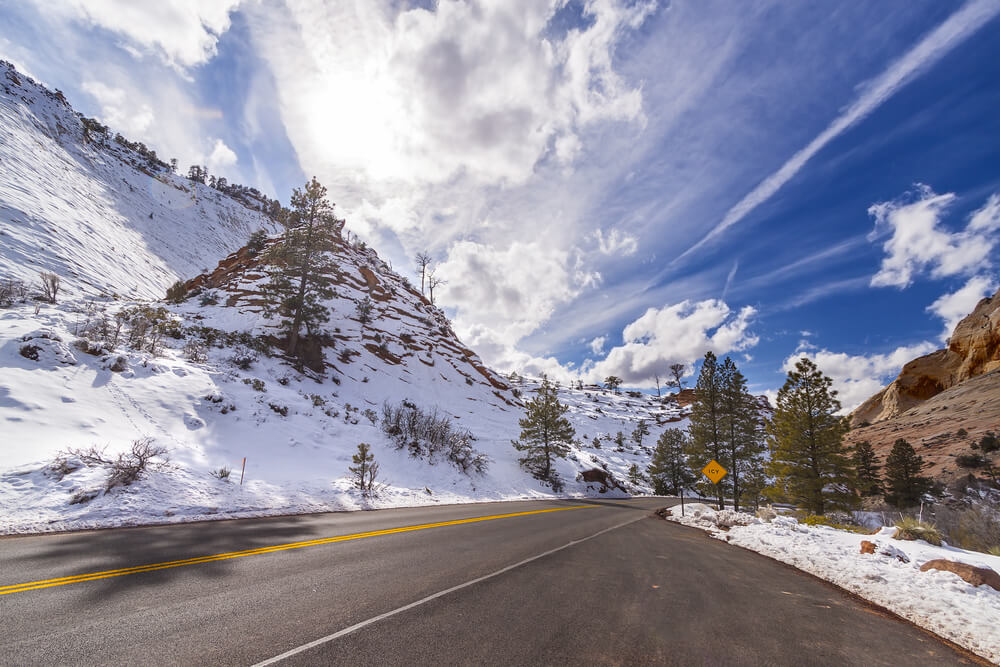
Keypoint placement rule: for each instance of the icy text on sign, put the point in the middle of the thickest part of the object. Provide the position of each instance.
(714, 471)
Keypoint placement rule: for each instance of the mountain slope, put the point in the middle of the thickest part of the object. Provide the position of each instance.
(101, 212)
(943, 402)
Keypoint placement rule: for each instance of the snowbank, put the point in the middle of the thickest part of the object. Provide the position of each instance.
(939, 601)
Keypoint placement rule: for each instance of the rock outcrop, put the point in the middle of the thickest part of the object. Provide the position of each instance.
(977, 576)
(973, 350)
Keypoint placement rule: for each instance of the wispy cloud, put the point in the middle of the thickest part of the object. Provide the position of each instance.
(952, 32)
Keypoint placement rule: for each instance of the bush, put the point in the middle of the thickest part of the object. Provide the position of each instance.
(970, 461)
(209, 298)
(176, 292)
(974, 527)
(257, 383)
(243, 358)
(909, 528)
(257, 242)
(129, 466)
(834, 520)
(50, 286)
(989, 443)
(196, 351)
(12, 291)
(280, 409)
(428, 434)
(221, 473)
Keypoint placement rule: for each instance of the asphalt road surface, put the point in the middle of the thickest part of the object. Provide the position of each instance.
(593, 582)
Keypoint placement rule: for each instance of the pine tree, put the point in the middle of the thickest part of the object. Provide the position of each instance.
(545, 435)
(742, 427)
(902, 475)
(634, 476)
(809, 461)
(706, 430)
(867, 481)
(641, 431)
(612, 382)
(365, 470)
(668, 468)
(303, 271)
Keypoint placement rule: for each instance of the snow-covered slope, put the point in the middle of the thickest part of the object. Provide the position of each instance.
(214, 386)
(95, 211)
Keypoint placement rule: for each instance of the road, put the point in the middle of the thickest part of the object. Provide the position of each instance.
(582, 582)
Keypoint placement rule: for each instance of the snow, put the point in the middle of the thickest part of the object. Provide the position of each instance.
(942, 602)
(84, 210)
(209, 415)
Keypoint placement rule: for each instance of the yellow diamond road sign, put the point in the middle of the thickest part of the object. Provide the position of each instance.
(714, 471)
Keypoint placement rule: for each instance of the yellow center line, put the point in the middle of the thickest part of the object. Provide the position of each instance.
(91, 576)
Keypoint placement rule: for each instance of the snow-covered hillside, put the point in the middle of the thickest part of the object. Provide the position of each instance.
(206, 378)
(296, 432)
(96, 212)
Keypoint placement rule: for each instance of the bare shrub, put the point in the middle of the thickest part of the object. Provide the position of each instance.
(12, 291)
(428, 434)
(176, 293)
(221, 473)
(50, 286)
(973, 527)
(129, 466)
(196, 351)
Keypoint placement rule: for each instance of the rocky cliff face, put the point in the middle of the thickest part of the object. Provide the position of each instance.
(973, 350)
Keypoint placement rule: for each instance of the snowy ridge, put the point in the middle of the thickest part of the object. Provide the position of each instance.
(97, 213)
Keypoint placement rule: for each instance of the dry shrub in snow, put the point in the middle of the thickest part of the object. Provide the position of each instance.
(12, 291)
(50, 286)
(129, 466)
(909, 528)
(430, 434)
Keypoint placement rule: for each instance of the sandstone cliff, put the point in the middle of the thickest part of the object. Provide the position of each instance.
(973, 350)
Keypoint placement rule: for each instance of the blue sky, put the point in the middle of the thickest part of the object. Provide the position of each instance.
(607, 186)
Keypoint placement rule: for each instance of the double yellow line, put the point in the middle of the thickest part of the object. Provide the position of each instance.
(106, 574)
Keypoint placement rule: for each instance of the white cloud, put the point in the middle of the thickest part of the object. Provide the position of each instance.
(856, 377)
(503, 295)
(917, 243)
(616, 242)
(679, 333)
(470, 89)
(956, 305)
(222, 156)
(952, 32)
(597, 345)
(118, 112)
(986, 219)
(182, 32)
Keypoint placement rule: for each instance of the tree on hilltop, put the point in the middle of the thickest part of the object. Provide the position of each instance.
(303, 271)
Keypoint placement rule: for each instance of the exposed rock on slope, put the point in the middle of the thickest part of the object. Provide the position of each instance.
(939, 396)
(973, 349)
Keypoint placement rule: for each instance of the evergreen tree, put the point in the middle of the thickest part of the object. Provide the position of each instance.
(634, 476)
(641, 431)
(902, 475)
(365, 469)
(707, 440)
(545, 435)
(867, 481)
(809, 461)
(304, 271)
(668, 468)
(612, 382)
(742, 427)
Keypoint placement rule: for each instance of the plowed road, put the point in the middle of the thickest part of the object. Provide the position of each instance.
(526, 583)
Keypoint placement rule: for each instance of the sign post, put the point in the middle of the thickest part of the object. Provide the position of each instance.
(714, 472)
(243, 471)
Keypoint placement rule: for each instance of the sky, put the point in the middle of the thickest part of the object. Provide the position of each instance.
(607, 187)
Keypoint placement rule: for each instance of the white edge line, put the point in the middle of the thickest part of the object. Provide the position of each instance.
(380, 617)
